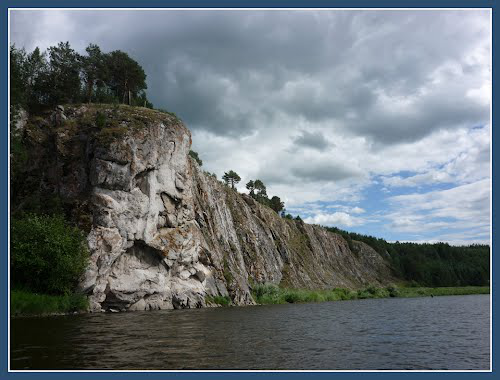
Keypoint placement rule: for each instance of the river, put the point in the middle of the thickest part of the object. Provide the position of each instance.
(439, 333)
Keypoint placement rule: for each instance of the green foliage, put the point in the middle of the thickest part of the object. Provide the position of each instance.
(429, 264)
(60, 76)
(168, 113)
(47, 255)
(126, 77)
(100, 120)
(141, 100)
(218, 300)
(276, 204)
(195, 156)
(231, 178)
(17, 76)
(28, 303)
(393, 291)
(18, 158)
(63, 84)
(250, 187)
(272, 294)
(94, 70)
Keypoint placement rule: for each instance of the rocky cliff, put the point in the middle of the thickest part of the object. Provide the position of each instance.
(161, 233)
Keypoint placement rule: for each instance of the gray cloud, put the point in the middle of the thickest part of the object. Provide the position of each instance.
(325, 172)
(233, 72)
(317, 104)
(314, 140)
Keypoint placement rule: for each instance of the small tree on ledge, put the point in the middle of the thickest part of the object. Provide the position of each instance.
(231, 178)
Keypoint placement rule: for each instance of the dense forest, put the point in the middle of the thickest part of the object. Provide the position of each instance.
(60, 75)
(438, 264)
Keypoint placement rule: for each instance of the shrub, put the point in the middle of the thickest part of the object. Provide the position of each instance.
(195, 157)
(47, 255)
(219, 300)
(393, 291)
(100, 120)
(27, 303)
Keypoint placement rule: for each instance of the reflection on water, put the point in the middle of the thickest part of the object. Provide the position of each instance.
(414, 333)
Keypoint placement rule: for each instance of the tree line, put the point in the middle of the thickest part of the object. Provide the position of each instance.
(60, 75)
(438, 264)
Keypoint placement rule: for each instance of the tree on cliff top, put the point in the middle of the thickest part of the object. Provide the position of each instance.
(94, 70)
(126, 76)
(231, 178)
(60, 75)
(64, 74)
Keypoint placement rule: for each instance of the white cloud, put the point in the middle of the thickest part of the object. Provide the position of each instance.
(338, 218)
(457, 210)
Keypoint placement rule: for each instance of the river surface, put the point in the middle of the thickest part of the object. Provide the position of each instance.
(451, 332)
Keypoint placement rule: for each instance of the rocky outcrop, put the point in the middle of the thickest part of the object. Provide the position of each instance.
(162, 234)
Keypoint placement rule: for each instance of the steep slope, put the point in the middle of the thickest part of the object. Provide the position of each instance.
(161, 233)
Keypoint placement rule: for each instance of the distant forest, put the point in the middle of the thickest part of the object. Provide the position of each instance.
(431, 265)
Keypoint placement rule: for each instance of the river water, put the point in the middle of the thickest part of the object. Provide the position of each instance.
(402, 333)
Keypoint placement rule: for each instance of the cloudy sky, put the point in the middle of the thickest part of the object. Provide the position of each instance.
(373, 121)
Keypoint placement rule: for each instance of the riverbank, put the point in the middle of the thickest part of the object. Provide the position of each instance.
(272, 294)
(24, 303)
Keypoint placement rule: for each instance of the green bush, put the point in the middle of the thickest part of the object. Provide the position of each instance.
(218, 300)
(100, 120)
(27, 303)
(47, 255)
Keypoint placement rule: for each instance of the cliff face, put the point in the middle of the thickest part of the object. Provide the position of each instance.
(162, 234)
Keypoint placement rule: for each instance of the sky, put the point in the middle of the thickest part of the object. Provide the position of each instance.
(377, 122)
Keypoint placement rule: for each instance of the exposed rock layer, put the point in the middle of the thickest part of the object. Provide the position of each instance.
(165, 235)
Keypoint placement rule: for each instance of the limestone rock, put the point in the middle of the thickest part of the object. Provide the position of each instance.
(164, 235)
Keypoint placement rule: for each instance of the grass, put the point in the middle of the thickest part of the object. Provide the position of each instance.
(218, 300)
(272, 294)
(27, 303)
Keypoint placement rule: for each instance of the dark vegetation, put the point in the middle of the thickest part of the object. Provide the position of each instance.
(47, 258)
(231, 178)
(258, 191)
(28, 303)
(194, 156)
(62, 76)
(438, 264)
(47, 254)
(218, 300)
(48, 250)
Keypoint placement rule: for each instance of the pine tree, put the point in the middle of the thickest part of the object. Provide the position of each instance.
(126, 76)
(231, 178)
(251, 187)
(64, 74)
(276, 204)
(94, 71)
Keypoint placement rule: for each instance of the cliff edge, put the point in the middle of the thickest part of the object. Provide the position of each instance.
(161, 233)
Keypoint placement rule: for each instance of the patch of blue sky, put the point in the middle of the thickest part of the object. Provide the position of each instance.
(371, 215)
